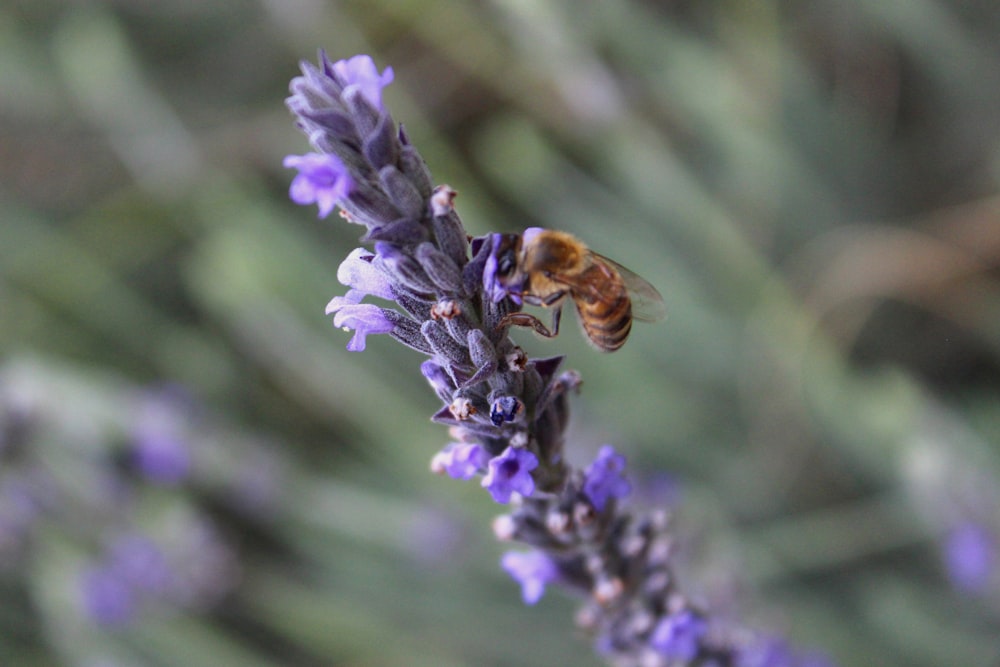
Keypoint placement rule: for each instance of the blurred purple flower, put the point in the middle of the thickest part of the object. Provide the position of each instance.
(509, 473)
(162, 459)
(773, 651)
(106, 598)
(22, 499)
(461, 460)
(362, 318)
(160, 448)
(360, 74)
(970, 556)
(678, 636)
(605, 478)
(137, 560)
(533, 570)
(322, 179)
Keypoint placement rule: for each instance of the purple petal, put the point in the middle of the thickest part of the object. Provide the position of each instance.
(358, 272)
(605, 478)
(140, 562)
(510, 473)
(359, 73)
(106, 597)
(678, 636)
(461, 460)
(970, 554)
(533, 570)
(322, 179)
(160, 448)
(363, 319)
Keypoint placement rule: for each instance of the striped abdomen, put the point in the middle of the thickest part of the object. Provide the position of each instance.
(605, 312)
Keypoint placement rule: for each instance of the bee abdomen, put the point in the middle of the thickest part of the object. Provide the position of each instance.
(607, 323)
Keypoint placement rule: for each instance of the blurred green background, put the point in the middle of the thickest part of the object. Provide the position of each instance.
(813, 186)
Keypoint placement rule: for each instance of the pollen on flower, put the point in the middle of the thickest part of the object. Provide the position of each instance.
(462, 408)
(584, 514)
(608, 590)
(519, 440)
(558, 523)
(517, 360)
(504, 527)
(445, 309)
(442, 201)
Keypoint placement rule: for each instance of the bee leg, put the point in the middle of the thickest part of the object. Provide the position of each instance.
(525, 320)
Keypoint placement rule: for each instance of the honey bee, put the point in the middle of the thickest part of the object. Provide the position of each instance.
(544, 267)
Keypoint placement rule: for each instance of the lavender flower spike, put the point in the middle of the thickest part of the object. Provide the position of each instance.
(507, 413)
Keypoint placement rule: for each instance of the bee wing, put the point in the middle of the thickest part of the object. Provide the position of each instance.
(647, 304)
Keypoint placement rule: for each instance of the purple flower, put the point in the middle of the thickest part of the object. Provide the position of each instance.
(160, 448)
(461, 460)
(360, 74)
(605, 478)
(533, 570)
(106, 597)
(362, 318)
(678, 636)
(970, 556)
(322, 179)
(140, 562)
(770, 653)
(358, 273)
(510, 472)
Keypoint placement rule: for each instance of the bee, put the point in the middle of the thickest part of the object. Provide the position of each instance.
(543, 267)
